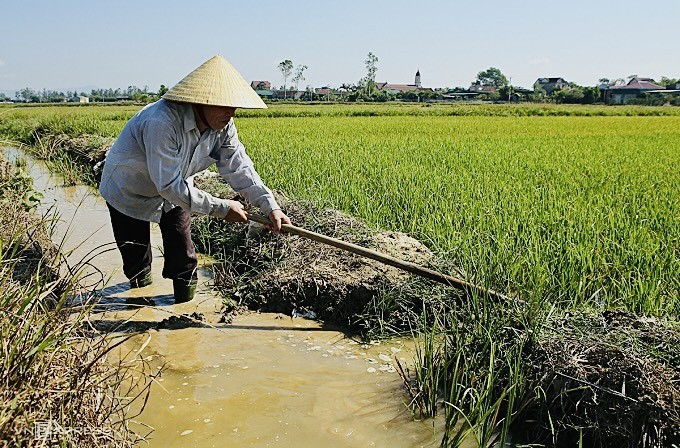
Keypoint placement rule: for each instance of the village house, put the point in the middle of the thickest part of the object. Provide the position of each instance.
(327, 93)
(288, 94)
(477, 87)
(265, 94)
(326, 90)
(633, 89)
(671, 90)
(401, 88)
(263, 89)
(549, 85)
(261, 85)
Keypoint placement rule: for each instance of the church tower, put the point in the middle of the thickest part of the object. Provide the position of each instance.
(418, 78)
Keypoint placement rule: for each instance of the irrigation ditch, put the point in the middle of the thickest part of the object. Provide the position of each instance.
(59, 384)
(492, 373)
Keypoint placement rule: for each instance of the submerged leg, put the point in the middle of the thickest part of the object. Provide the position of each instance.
(133, 238)
(180, 256)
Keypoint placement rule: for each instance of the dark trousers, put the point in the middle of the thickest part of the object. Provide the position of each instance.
(133, 238)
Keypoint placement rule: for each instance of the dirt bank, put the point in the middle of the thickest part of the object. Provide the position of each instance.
(293, 275)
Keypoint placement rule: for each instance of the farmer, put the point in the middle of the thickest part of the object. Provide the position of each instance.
(147, 173)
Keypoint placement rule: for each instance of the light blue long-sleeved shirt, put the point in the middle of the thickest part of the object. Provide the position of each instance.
(149, 167)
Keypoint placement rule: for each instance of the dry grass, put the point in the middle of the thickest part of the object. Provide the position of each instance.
(55, 376)
(611, 378)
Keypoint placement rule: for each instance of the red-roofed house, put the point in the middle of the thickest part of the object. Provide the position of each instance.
(261, 85)
(634, 89)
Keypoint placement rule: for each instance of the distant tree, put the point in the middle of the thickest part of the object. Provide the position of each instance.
(492, 77)
(506, 92)
(590, 95)
(27, 95)
(371, 70)
(668, 81)
(309, 93)
(576, 95)
(429, 95)
(299, 77)
(162, 90)
(410, 95)
(492, 96)
(382, 97)
(286, 68)
(345, 87)
(141, 97)
(55, 97)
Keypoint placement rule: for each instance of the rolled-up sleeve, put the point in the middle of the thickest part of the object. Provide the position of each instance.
(236, 167)
(164, 164)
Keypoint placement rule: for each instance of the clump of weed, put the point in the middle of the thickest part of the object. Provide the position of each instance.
(58, 386)
(469, 367)
(606, 378)
(290, 274)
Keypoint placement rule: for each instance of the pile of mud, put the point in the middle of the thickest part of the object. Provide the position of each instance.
(174, 322)
(292, 275)
(608, 379)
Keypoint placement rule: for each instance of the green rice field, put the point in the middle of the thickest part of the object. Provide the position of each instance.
(569, 205)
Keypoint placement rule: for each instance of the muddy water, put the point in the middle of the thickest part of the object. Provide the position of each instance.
(263, 380)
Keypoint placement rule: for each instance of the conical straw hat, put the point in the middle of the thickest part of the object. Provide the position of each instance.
(216, 83)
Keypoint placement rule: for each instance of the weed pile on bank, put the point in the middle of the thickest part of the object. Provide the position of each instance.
(295, 276)
(57, 386)
(74, 157)
(611, 378)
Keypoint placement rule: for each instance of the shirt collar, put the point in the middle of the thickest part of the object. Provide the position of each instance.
(188, 118)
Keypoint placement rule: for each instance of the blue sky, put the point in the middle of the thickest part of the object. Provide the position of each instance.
(73, 43)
